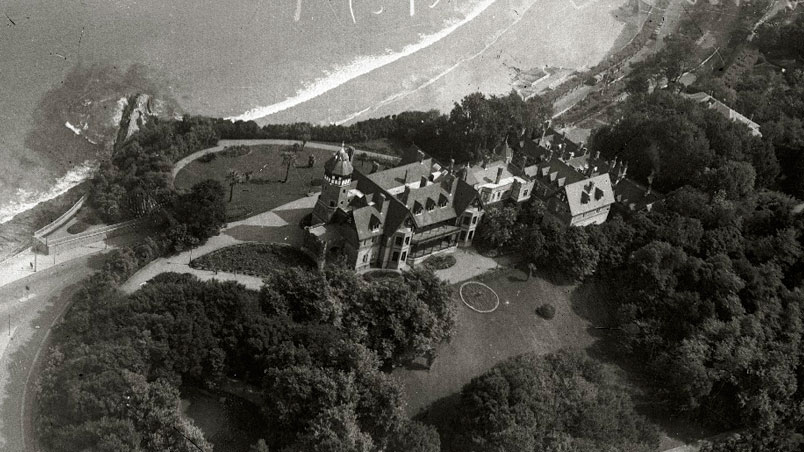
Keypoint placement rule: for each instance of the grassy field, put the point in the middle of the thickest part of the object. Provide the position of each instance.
(265, 190)
(256, 259)
(483, 340)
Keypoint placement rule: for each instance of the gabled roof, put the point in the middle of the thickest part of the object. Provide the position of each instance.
(589, 194)
(396, 177)
(629, 192)
(477, 176)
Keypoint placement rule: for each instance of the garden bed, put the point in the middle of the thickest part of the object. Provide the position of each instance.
(255, 259)
(439, 262)
(381, 273)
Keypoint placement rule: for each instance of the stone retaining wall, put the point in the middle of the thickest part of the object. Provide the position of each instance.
(63, 244)
(60, 221)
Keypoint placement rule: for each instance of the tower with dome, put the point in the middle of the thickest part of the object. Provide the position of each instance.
(394, 218)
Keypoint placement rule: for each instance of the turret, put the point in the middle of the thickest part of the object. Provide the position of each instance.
(335, 186)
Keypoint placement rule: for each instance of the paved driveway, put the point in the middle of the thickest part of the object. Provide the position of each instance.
(280, 225)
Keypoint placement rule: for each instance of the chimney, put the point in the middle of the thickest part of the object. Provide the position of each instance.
(405, 195)
(423, 183)
(406, 177)
(451, 165)
(379, 201)
(419, 156)
(499, 175)
(650, 184)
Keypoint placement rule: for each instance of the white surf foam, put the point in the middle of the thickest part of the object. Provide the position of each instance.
(25, 200)
(360, 66)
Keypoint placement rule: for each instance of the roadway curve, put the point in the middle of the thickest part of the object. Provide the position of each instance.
(30, 314)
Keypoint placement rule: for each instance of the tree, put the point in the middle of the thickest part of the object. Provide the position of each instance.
(497, 228)
(289, 159)
(233, 177)
(550, 403)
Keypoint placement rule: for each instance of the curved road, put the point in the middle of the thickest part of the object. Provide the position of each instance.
(30, 313)
(31, 306)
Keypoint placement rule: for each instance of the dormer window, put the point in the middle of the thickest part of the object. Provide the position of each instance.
(442, 201)
(374, 224)
(417, 208)
(430, 204)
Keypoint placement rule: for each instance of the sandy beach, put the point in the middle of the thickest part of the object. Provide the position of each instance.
(318, 64)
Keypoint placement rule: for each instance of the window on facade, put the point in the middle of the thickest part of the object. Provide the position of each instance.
(332, 203)
(474, 220)
(471, 234)
(407, 240)
(466, 220)
(525, 193)
(404, 255)
(463, 235)
(395, 256)
(365, 258)
(399, 241)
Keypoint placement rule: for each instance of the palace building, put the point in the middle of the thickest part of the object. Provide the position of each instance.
(393, 218)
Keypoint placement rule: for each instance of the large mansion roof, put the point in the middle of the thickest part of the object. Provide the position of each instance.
(589, 194)
(420, 193)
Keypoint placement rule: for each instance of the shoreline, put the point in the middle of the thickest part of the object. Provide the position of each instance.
(441, 83)
(15, 234)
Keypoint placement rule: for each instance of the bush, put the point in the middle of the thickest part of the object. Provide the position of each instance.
(253, 259)
(77, 227)
(439, 262)
(206, 158)
(546, 311)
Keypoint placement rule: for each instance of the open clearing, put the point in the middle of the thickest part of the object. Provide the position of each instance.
(484, 339)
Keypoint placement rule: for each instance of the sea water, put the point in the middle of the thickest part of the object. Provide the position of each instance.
(270, 60)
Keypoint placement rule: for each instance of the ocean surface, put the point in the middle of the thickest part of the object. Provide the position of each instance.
(69, 62)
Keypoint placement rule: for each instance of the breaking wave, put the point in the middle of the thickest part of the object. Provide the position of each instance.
(25, 200)
(360, 66)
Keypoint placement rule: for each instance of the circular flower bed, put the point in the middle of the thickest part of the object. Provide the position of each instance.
(479, 297)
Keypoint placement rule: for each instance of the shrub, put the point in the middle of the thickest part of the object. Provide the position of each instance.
(439, 262)
(77, 227)
(206, 158)
(546, 311)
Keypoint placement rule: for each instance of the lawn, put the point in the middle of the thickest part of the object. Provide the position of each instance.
(483, 340)
(256, 259)
(265, 190)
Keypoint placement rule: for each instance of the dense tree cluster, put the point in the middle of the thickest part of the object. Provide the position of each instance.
(475, 125)
(557, 402)
(562, 251)
(136, 180)
(706, 290)
(312, 344)
(679, 142)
